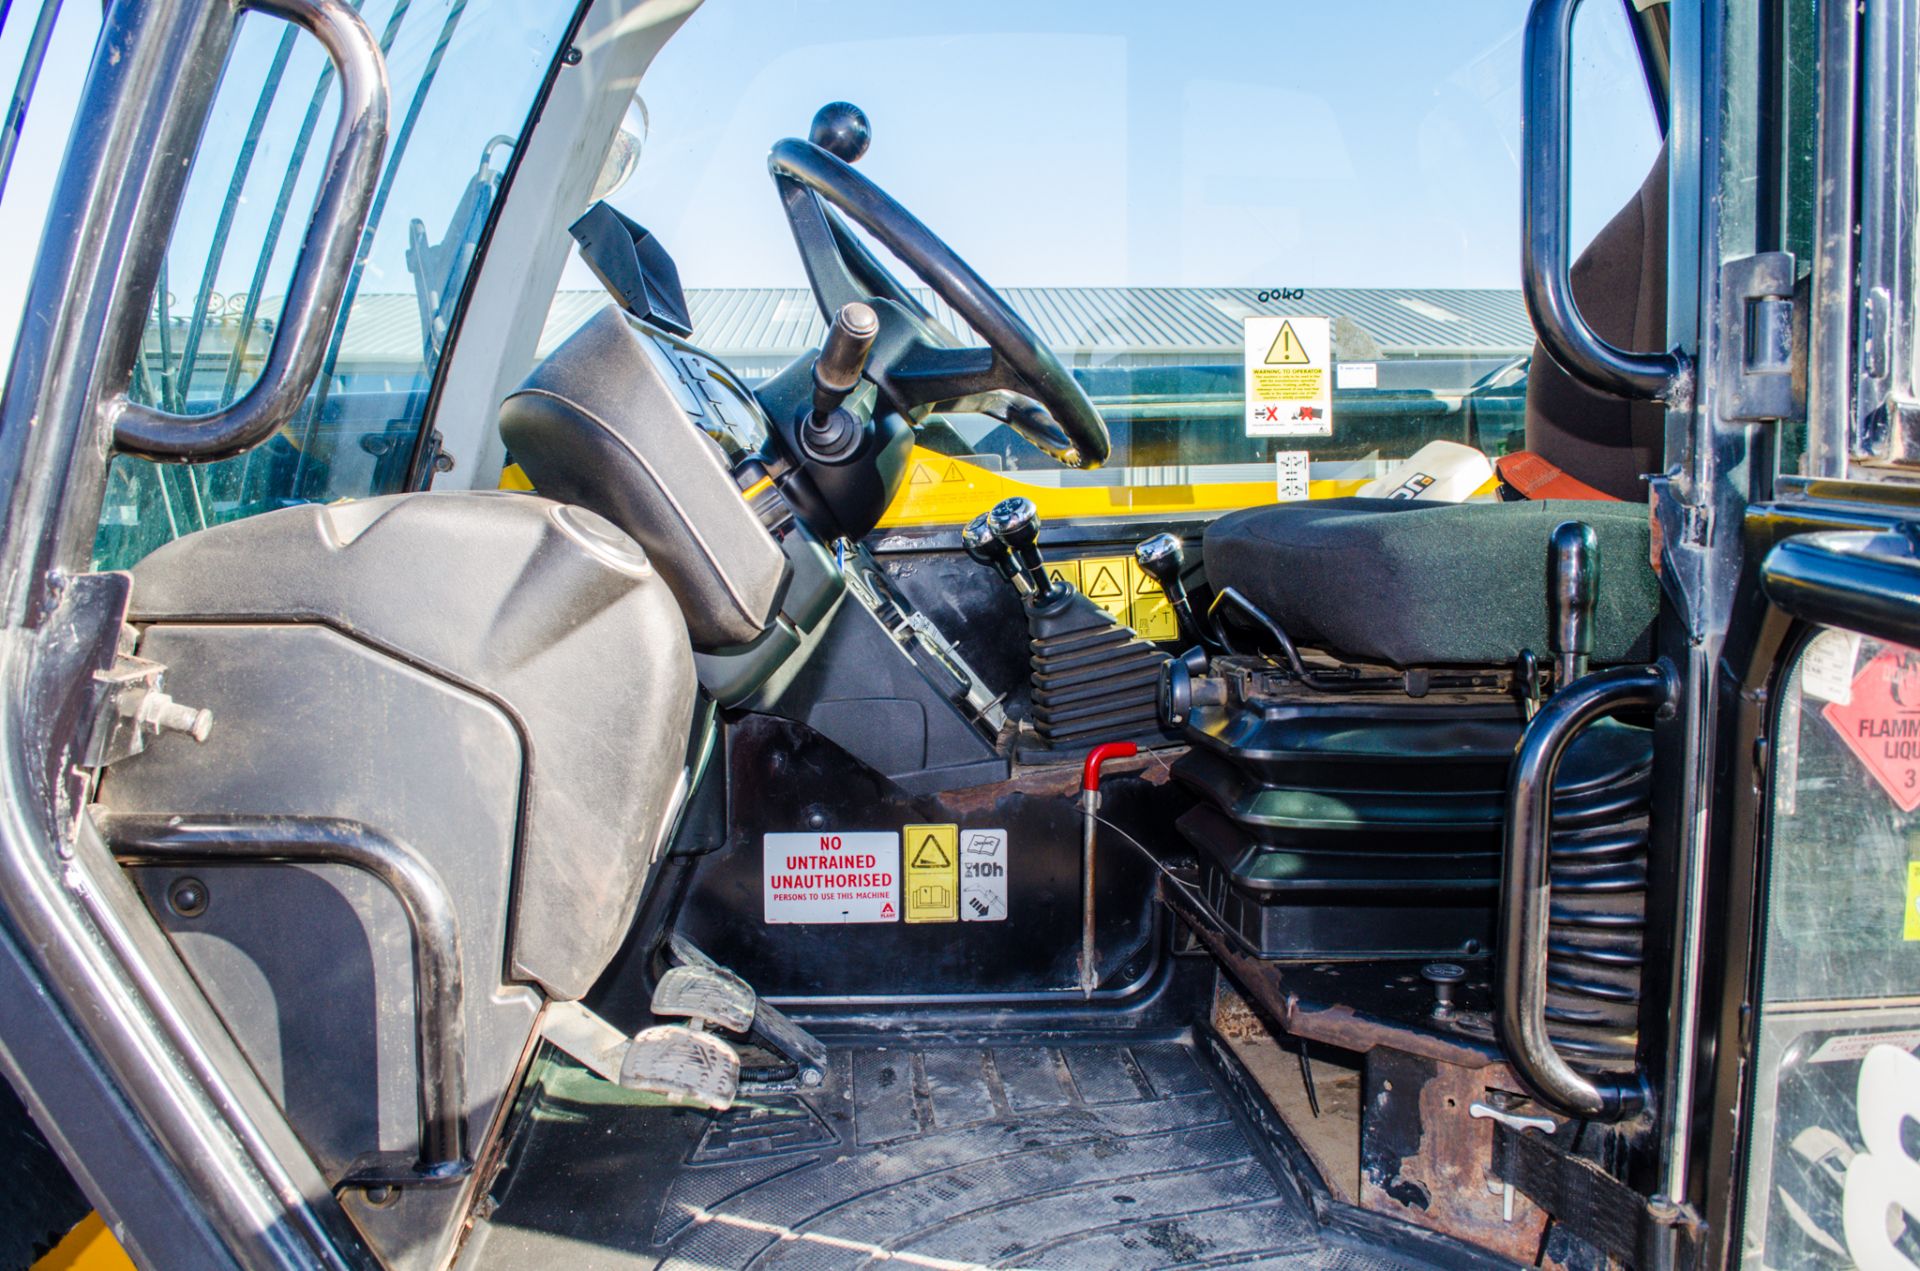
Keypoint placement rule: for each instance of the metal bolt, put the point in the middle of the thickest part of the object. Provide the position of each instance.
(811, 1077)
(159, 713)
(381, 1195)
(187, 897)
(1443, 976)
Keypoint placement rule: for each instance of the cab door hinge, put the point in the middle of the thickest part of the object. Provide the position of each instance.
(1760, 359)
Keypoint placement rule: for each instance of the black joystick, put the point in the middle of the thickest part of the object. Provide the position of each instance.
(978, 542)
(1573, 578)
(1016, 523)
(831, 434)
(841, 129)
(1163, 558)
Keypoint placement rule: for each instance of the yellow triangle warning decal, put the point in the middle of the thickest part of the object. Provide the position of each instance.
(953, 473)
(1104, 585)
(1287, 349)
(1057, 576)
(1146, 586)
(930, 855)
(920, 475)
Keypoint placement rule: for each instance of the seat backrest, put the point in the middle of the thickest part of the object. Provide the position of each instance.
(1620, 283)
(599, 424)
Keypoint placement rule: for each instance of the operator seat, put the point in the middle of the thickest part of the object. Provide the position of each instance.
(1415, 584)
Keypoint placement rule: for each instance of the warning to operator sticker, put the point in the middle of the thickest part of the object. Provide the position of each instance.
(1880, 722)
(1289, 376)
(933, 872)
(983, 875)
(832, 877)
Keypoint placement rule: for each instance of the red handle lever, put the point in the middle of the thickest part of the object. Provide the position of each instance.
(1090, 775)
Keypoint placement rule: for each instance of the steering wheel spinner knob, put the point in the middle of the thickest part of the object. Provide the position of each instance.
(842, 130)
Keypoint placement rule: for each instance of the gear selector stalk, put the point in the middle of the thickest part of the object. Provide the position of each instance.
(830, 433)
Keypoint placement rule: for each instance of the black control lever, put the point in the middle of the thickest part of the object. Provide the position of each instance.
(831, 433)
(1573, 578)
(978, 542)
(1163, 558)
(1016, 523)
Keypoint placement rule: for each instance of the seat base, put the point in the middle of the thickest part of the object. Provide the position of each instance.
(1415, 584)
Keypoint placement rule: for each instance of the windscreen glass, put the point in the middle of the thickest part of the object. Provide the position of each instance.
(1274, 242)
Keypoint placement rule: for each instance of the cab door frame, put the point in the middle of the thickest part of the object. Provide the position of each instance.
(1786, 584)
(105, 1035)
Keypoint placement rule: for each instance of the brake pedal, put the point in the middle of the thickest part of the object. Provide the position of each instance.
(682, 1064)
(711, 994)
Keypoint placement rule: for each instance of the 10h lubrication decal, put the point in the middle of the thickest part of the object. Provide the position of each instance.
(947, 874)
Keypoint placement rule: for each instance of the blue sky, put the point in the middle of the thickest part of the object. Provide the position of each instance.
(1073, 142)
(1052, 142)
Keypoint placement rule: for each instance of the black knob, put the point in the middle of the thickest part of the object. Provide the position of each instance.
(978, 542)
(1163, 558)
(1016, 522)
(830, 433)
(842, 130)
(1573, 580)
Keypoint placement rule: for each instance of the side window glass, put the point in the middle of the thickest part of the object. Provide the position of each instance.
(464, 76)
(1836, 1079)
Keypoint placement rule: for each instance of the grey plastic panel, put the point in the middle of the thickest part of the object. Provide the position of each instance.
(607, 422)
(311, 968)
(547, 611)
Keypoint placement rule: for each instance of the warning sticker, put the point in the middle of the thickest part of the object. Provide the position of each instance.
(1880, 722)
(932, 873)
(1910, 929)
(1289, 385)
(1826, 668)
(1153, 617)
(832, 877)
(1851, 1047)
(983, 875)
(1118, 585)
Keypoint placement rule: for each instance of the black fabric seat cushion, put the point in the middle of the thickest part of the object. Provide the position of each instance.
(1431, 584)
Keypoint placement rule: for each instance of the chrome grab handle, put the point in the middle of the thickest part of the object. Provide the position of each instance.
(320, 272)
(439, 1025)
(1545, 257)
(1526, 889)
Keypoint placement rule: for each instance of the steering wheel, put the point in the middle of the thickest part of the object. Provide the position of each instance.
(916, 363)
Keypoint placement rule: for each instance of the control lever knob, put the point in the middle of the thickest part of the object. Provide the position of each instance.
(830, 433)
(1163, 558)
(1573, 580)
(978, 542)
(842, 130)
(1016, 523)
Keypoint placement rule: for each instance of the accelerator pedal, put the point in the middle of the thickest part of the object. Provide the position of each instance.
(698, 979)
(682, 1064)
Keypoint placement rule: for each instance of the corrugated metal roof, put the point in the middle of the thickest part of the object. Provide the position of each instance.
(760, 328)
(1096, 324)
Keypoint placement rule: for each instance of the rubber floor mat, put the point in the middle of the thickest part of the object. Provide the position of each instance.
(1095, 1156)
